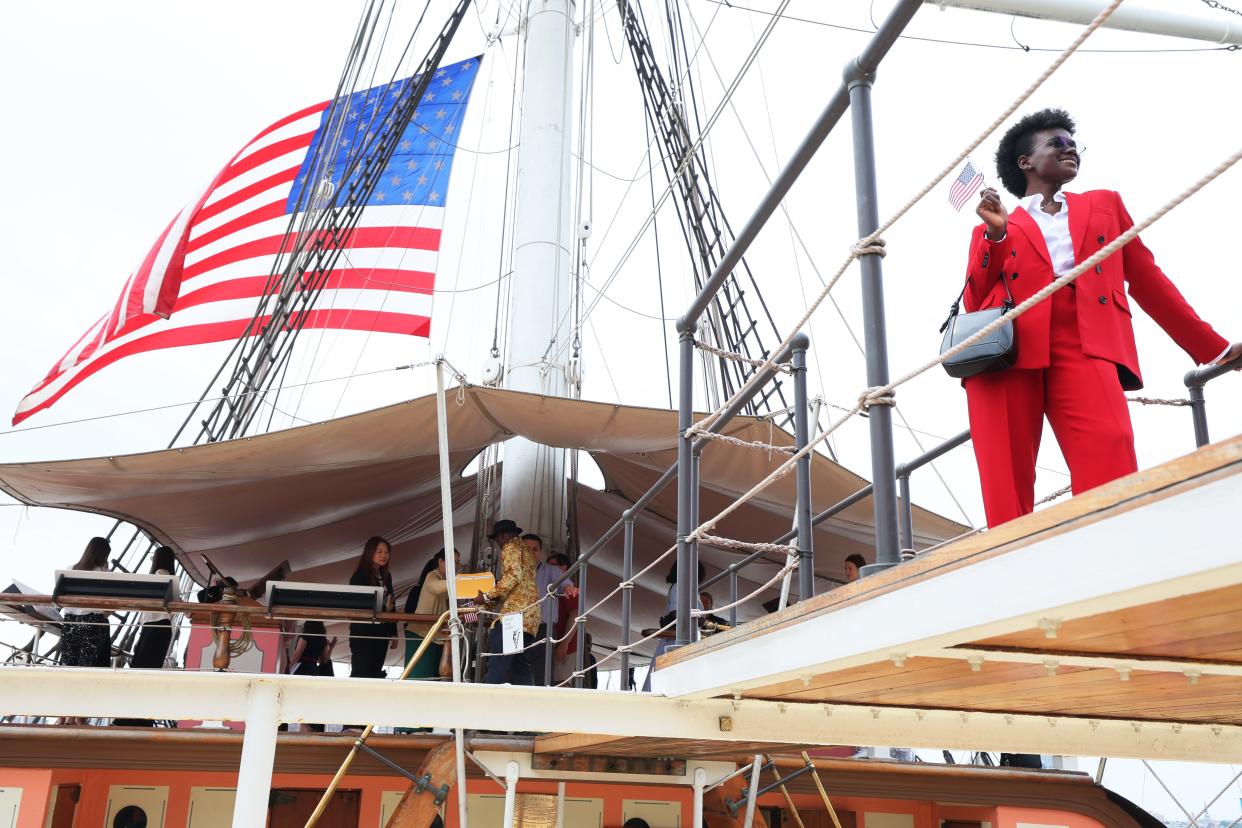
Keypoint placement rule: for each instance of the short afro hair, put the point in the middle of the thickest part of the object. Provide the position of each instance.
(1017, 141)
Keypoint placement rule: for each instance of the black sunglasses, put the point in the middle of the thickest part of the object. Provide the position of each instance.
(1061, 143)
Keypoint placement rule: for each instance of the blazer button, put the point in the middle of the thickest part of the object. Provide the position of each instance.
(1013, 254)
(1100, 239)
(1099, 268)
(1103, 300)
(1013, 278)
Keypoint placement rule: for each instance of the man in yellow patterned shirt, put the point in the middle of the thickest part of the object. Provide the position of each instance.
(515, 591)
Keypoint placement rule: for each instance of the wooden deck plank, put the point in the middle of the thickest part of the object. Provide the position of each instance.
(1166, 628)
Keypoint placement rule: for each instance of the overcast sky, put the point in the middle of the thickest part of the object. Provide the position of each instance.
(119, 114)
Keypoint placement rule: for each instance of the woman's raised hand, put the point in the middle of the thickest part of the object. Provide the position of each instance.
(993, 213)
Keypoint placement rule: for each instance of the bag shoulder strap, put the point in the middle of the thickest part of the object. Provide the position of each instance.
(956, 307)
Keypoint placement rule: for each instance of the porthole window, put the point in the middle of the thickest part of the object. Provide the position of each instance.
(131, 816)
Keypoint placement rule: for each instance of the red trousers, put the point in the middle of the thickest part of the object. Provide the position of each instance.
(1082, 398)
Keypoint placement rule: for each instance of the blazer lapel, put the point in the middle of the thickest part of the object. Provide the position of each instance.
(1023, 221)
(1079, 207)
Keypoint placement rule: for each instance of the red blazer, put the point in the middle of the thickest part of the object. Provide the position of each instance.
(1095, 218)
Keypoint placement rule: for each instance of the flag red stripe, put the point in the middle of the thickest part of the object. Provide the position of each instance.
(339, 318)
(252, 287)
(247, 192)
(262, 156)
(130, 304)
(288, 119)
(418, 238)
(268, 211)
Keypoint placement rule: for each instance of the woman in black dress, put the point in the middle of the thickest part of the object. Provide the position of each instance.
(369, 643)
(84, 640)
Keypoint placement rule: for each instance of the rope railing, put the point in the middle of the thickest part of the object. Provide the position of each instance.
(767, 448)
(1159, 401)
(869, 244)
(736, 357)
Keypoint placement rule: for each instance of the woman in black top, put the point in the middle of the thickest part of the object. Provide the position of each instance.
(156, 635)
(313, 654)
(369, 643)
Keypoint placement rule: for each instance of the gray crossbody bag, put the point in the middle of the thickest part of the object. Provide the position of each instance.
(995, 352)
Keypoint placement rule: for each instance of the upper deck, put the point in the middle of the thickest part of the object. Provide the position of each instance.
(1122, 606)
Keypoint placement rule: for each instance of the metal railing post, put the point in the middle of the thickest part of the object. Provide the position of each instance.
(696, 459)
(802, 436)
(627, 597)
(906, 536)
(548, 648)
(1198, 412)
(1195, 379)
(685, 488)
(858, 79)
(581, 652)
(732, 595)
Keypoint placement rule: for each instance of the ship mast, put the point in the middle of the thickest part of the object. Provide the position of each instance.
(540, 323)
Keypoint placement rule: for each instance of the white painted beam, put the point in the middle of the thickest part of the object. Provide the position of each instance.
(512, 774)
(254, 775)
(167, 694)
(1120, 560)
(1219, 28)
(700, 780)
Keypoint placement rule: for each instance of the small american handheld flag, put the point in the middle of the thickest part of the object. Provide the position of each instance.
(965, 185)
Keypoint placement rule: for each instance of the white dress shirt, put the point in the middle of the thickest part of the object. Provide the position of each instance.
(1056, 231)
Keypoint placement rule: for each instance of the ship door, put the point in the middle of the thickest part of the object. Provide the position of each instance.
(291, 807)
(64, 804)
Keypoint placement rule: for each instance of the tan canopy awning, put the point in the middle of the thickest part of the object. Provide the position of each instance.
(313, 494)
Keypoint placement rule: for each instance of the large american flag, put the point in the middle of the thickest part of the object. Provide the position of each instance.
(202, 279)
(964, 186)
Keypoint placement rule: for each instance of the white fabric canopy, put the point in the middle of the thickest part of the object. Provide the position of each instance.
(314, 494)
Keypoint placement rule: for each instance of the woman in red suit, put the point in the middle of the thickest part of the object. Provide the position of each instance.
(1076, 352)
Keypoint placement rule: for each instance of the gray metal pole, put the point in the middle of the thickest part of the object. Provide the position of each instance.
(696, 459)
(732, 595)
(1198, 411)
(887, 552)
(627, 597)
(802, 432)
(580, 660)
(685, 490)
(548, 647)
(907, 512)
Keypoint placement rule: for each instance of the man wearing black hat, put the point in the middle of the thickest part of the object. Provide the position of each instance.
(514, 592)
